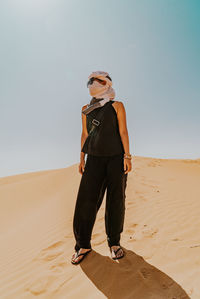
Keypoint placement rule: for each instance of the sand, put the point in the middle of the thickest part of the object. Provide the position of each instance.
(161, 236)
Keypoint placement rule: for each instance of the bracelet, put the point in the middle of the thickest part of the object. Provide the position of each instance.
(127, 156)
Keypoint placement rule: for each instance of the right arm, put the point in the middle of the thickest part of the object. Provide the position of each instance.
(84, 136)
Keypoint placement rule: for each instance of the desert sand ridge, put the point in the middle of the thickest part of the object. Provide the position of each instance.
(161, 236)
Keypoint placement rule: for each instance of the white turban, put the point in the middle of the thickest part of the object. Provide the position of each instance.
(98, 90)
(101, 93)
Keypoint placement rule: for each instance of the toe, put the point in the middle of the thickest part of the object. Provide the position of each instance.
(119, 253)
(75, 259)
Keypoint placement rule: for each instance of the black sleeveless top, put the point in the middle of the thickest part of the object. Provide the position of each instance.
(105, 140)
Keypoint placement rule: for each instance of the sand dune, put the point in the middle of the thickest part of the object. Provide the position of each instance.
(161, 236)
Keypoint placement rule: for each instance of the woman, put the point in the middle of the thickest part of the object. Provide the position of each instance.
(105, 141)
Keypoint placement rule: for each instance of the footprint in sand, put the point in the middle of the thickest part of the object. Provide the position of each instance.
(69, 236)
(149, 232)
(130, 203)
(40, 284)
(47, 283)
(146, 273)
(52, 252)
(176, 239)
(130, 231)
(145, 232)
(149, 184)
(138, 194)
(133, 225)
(52, 275)
(154, 163)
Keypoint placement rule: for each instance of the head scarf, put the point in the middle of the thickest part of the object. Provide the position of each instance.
(101, 93)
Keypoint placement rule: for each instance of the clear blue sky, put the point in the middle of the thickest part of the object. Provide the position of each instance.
(48, 49)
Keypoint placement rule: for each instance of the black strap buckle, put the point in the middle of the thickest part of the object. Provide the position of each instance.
(95, 122)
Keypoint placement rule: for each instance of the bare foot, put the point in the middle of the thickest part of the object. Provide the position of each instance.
(81, 250)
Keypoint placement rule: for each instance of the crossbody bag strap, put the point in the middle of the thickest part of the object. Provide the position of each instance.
(98, 118)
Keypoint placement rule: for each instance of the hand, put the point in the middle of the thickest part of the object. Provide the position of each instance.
(81, 166)
(127, 165)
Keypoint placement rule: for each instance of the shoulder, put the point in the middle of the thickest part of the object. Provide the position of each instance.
(118, 105)
(83, 107)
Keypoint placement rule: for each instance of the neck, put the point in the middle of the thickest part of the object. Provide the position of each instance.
(95, 100)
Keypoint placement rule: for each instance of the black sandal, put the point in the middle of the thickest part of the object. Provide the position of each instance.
(78, 254)
(115, 251)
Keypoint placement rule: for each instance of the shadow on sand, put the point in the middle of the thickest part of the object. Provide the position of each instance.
(130, 277)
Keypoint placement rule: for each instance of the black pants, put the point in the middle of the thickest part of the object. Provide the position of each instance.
(100, 173)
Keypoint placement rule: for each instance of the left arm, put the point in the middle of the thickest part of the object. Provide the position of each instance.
(121, 115)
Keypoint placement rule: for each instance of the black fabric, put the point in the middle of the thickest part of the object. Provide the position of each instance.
(106, 139)
(99, 118)
(100, 174)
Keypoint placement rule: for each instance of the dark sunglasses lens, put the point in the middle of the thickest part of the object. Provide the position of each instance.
(90, 81)
(93, 78)
(109, 78)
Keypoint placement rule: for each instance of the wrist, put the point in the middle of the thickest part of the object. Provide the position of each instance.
(127, 156)
(82, 156)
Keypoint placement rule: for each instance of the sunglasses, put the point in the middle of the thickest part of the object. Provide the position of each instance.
(97, 79)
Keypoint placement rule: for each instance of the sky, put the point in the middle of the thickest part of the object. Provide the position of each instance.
(151, 50)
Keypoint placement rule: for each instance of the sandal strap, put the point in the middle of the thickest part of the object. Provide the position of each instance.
(78, 254)
(115, 251)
